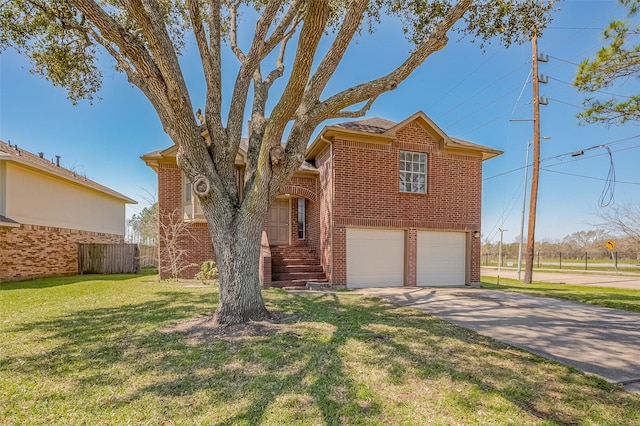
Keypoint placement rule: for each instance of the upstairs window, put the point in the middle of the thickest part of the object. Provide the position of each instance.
(413, 172)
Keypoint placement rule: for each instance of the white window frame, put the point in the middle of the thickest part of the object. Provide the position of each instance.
(412, 174)
(191, 207)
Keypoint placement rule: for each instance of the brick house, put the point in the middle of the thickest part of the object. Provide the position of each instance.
(46, 210)
(376, 203)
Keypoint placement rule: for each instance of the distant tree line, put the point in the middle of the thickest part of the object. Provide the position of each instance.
(618, 223)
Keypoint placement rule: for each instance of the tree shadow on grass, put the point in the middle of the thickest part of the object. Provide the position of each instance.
(40, 283)
(342, 360)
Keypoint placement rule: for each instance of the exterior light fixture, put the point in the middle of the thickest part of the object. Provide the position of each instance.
(476, 234)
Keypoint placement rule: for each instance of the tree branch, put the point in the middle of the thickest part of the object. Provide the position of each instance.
(290, 19)
(334, 105)
(330, 62)
(139, 57)
(210, 58)
(147, 15)
(245, 74)
(233, 33)
(315, 20)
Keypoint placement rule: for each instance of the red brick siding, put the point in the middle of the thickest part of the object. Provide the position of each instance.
(307, 188)
(367, 192)
(364, 177)
(196, 240)
(31, 251)
(324, 209)
(411, 251)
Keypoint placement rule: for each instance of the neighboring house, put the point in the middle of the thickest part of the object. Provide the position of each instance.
(46, 211)
(376, 203)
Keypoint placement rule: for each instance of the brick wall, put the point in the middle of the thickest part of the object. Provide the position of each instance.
(324, 210)
(195, 238)
(31, 251)
(367, 193)
(365, 178)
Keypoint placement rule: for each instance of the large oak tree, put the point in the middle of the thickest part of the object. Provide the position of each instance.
(63, 38)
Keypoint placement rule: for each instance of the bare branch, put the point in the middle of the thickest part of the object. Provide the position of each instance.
(233, 11)
(243, 80)
(147, 15)
(356, 114)
(330, 62)
(210, 58)
(370, 90)
(130, 48)
(279, 69)
(315, 21)
(292, 18)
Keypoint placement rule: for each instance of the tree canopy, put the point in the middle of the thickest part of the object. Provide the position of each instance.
(64, 38)
(617, 60)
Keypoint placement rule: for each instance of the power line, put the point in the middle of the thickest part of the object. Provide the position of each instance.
(563, 60)
(566, 103)
(596, 91)
(587, 177)
(499, 80)
(574, 28)
(481, 108)
(465, 78)
(559, 156)
(486, 123)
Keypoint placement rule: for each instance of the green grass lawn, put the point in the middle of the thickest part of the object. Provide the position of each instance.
(628, 300)
(96, 350)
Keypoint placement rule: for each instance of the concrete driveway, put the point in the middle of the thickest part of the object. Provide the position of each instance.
(596, 340)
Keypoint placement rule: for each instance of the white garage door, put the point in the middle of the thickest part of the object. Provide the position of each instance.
(375, 258)
(441, 258)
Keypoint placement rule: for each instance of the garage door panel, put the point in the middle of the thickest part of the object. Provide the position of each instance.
(375, 258)
(441, 258)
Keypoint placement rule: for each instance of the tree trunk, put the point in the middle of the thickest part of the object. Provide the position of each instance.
(237, 245)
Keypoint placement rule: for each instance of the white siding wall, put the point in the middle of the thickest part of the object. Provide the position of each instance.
(39, 199)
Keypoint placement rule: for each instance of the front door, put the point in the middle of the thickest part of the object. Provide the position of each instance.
(279, 223)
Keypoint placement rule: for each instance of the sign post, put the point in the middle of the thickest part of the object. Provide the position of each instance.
(610, 244)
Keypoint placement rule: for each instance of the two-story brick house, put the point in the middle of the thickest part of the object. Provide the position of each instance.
(376, 203)
(46, 210)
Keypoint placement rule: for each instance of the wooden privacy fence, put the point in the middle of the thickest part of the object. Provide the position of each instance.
(108, 259)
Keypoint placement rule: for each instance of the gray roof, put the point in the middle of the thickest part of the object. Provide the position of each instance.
(19, 155)
(369, 125)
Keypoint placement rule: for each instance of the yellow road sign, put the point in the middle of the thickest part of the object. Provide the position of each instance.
(610, 244)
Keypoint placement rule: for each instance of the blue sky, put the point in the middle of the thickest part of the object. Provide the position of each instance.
(470, 94)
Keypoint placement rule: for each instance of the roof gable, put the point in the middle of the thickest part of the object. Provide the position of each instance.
(152, 159)
(384, 131)
(35, 162)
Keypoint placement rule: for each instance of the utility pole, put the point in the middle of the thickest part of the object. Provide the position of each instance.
(502, 231)
(524, 205)
(528, 272)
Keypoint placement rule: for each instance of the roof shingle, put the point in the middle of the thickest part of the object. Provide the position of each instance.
(14, 153)
(369, 125)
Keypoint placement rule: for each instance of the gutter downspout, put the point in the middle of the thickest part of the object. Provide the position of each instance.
(325, 140)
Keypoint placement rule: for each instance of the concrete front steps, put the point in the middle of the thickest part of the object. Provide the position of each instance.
(295, 267)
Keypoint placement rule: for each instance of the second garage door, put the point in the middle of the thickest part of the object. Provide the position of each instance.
(375, 258)
(441, 258)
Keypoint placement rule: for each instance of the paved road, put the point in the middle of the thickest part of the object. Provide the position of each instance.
(596, 340)
(596, 279)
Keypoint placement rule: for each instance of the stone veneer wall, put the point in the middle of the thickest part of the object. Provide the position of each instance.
(31, 251)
